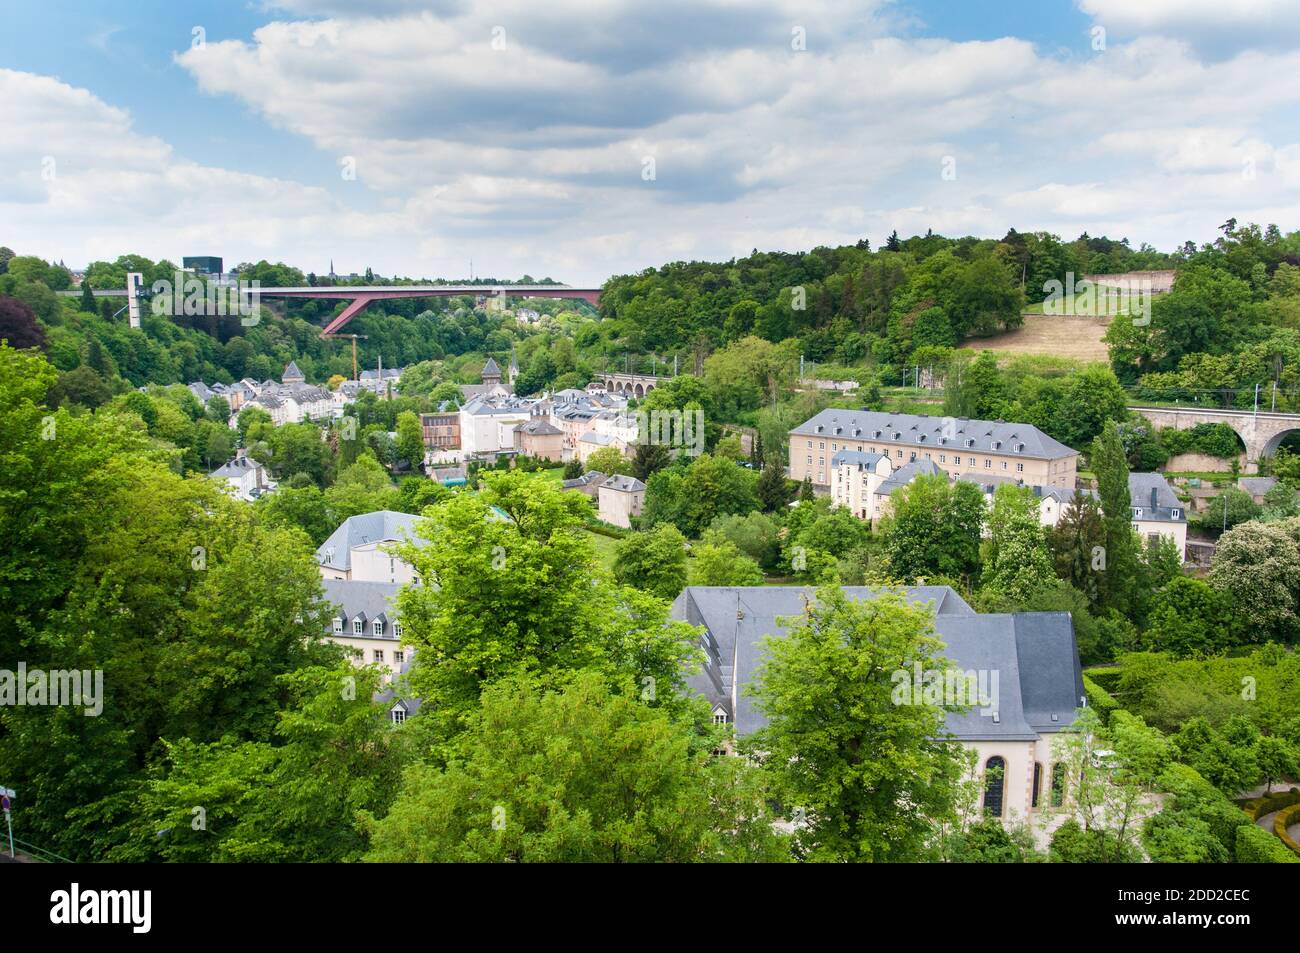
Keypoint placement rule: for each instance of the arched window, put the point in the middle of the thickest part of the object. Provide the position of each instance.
(1038, 783)
(995, 779)
(1058, 784)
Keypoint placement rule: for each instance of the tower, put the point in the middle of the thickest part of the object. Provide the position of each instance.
(514, 368)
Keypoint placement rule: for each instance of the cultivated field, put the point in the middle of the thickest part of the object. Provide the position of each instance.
(1072, 337)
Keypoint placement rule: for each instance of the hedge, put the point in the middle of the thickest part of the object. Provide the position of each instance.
(1199, 798)
(1266, 804)
(1099, 699)
(1257, 846)
(1105, 678)
(1286, 818)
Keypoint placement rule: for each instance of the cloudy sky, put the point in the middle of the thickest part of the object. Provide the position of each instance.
(581, 138)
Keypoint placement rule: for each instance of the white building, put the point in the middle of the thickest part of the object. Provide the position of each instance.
(360, 549)
(365, 622)
(243, 477)
(487, 424)
(620, 498)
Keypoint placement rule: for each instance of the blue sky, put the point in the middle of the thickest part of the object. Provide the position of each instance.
(576, 139)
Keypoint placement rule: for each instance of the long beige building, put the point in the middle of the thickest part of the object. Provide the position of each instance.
(956, 445)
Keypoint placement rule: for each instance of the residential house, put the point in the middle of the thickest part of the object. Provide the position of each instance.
(244, 477)
(591, 441)
(539, 438)
(1156, 511)
(589, 483)
(365, 622)
(487, 425)
(620, 498)
(360, 548)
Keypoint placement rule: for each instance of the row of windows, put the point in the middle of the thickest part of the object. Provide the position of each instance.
(377, 655)
(359, 627)
(995, 782)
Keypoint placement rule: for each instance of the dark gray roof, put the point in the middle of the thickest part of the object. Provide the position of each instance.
(291, 370)
(918, 430)
(906, 474)
(587, 479)
(491, 369)
(624, 484)
(856, 458)
(235, 467)
(538, 427)
(1151, 493)
(1033, 654)
(336, 552)
(365, 600)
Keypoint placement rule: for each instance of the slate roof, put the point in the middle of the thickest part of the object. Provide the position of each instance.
(602, 439)
(235, 467)
(365, 600)
(1151, 493)
(336, 552)
(905, 475)
(538, 428)
(491, 369)
(624, 484)
(586, 480)
(857, 458)
(291, 371)
(919, 430)
(1040, 682)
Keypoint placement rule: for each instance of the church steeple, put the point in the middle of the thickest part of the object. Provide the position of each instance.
(514, 368)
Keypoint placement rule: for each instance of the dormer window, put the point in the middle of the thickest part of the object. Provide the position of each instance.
(377, 628)
(338, 625)
(1137, 511)
(1177, 513)
(358, 627)
(970, 441)
(397, 630)
(997, 444)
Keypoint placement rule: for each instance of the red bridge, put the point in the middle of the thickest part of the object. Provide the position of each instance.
(360, 296)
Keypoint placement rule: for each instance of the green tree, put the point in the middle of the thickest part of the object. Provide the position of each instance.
(867, 778)
(653, 561)
(524, 594)
(717, 562)
(933, 529)
(773, 489)
(1190, 618)
(579, 774)
(1017, 562)
(410, 439)
(1078, 543)
(609, 460)
(1110, 464)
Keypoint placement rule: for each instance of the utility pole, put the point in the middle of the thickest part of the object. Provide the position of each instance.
(1257, 400)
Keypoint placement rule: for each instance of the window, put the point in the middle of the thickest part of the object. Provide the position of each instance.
(719, 717)
(821, 445)
(1020, 468)
(358, 627)
(1004, 464)
(899, 453)
(379, 655)
(956, 461)
(1058, 784)
(809, 444)
(1177, 513)
(810, 461)
(1038, 783)
(338, 626)
(988, 464)
(397, 629)
(943, 458)
(399, 657)
(377, 628)
(995, 778)
(398, 716)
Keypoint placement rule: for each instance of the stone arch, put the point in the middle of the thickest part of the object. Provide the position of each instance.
(650, 385)
(638, 391)
(1272, 443)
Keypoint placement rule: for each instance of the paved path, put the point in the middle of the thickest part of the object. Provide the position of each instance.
(1266, 821)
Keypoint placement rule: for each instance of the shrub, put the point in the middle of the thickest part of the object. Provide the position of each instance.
(1257, 846)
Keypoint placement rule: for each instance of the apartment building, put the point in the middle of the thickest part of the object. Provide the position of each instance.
(956, 445)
